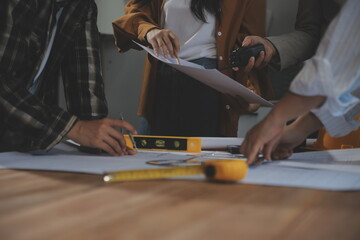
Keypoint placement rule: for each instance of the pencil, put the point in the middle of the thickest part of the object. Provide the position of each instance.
(122, 119)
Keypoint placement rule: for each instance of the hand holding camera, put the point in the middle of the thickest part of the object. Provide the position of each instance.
(240, 57)
(255, 52)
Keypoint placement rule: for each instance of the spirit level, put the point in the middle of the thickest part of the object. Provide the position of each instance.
(165, 143)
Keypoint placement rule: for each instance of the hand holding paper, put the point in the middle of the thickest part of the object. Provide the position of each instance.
(164, 41)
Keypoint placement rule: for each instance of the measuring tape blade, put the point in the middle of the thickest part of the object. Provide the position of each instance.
(218, 170)
(159, 173)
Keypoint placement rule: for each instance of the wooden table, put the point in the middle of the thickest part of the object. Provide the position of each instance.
(49, 205)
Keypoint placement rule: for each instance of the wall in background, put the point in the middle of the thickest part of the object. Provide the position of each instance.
(122, 74)
(281, 19)
(108, 11)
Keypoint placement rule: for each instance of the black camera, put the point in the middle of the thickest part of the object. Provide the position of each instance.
(240, 57)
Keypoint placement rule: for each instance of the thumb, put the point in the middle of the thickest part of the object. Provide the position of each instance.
(247, 41)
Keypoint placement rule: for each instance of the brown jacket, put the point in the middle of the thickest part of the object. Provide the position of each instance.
(238, 19)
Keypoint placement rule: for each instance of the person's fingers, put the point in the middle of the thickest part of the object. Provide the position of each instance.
(281, 154)
(271, 146)
(267, 150)
(130, 151)
(243, 146)
(117, 136)
(268, 57)
(275, 155)
(117, 144)
(252, 153)
(260, 60)
(269, 51)
(250, 65)
(236, 68)
(265, 56)
(252, 40)
(248, 41)
(163, 47)
(285, 154)
(155, 47)
(253, 107)
(169, 46)
(251, 150)
(106, 147)
(275, 144)
(102, 134)
(175, 41)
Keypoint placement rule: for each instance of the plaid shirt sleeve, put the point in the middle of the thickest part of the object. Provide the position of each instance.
(83, 83)
(21, 111)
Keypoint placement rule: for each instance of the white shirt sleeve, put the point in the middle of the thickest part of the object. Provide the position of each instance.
(334, 72)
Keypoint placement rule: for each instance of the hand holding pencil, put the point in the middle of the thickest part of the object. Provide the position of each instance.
(164, 41)
(102, 134)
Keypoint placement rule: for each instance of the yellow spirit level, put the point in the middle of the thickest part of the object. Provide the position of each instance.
(164, 143)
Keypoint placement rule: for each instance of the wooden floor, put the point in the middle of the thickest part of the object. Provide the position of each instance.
(47, 205)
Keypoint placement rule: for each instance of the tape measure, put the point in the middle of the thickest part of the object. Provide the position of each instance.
(223, 170)
(164, 143)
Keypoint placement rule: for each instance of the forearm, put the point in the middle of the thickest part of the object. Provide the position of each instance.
(292, 106)
(306, 124)
(22, 111)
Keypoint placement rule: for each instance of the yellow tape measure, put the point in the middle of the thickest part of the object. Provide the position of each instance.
(218, 170)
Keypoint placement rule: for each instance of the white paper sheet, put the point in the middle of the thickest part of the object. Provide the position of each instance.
(66, 158)
(219, 142)
(207, 143)
(268, 174)
(212, 78)
(328, 170)
(336, 160)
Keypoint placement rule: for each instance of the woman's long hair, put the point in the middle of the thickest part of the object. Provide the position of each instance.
(197, 7)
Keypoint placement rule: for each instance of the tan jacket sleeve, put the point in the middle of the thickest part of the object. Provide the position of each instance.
(135, 24)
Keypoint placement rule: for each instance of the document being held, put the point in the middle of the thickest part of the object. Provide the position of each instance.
(211, 77)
